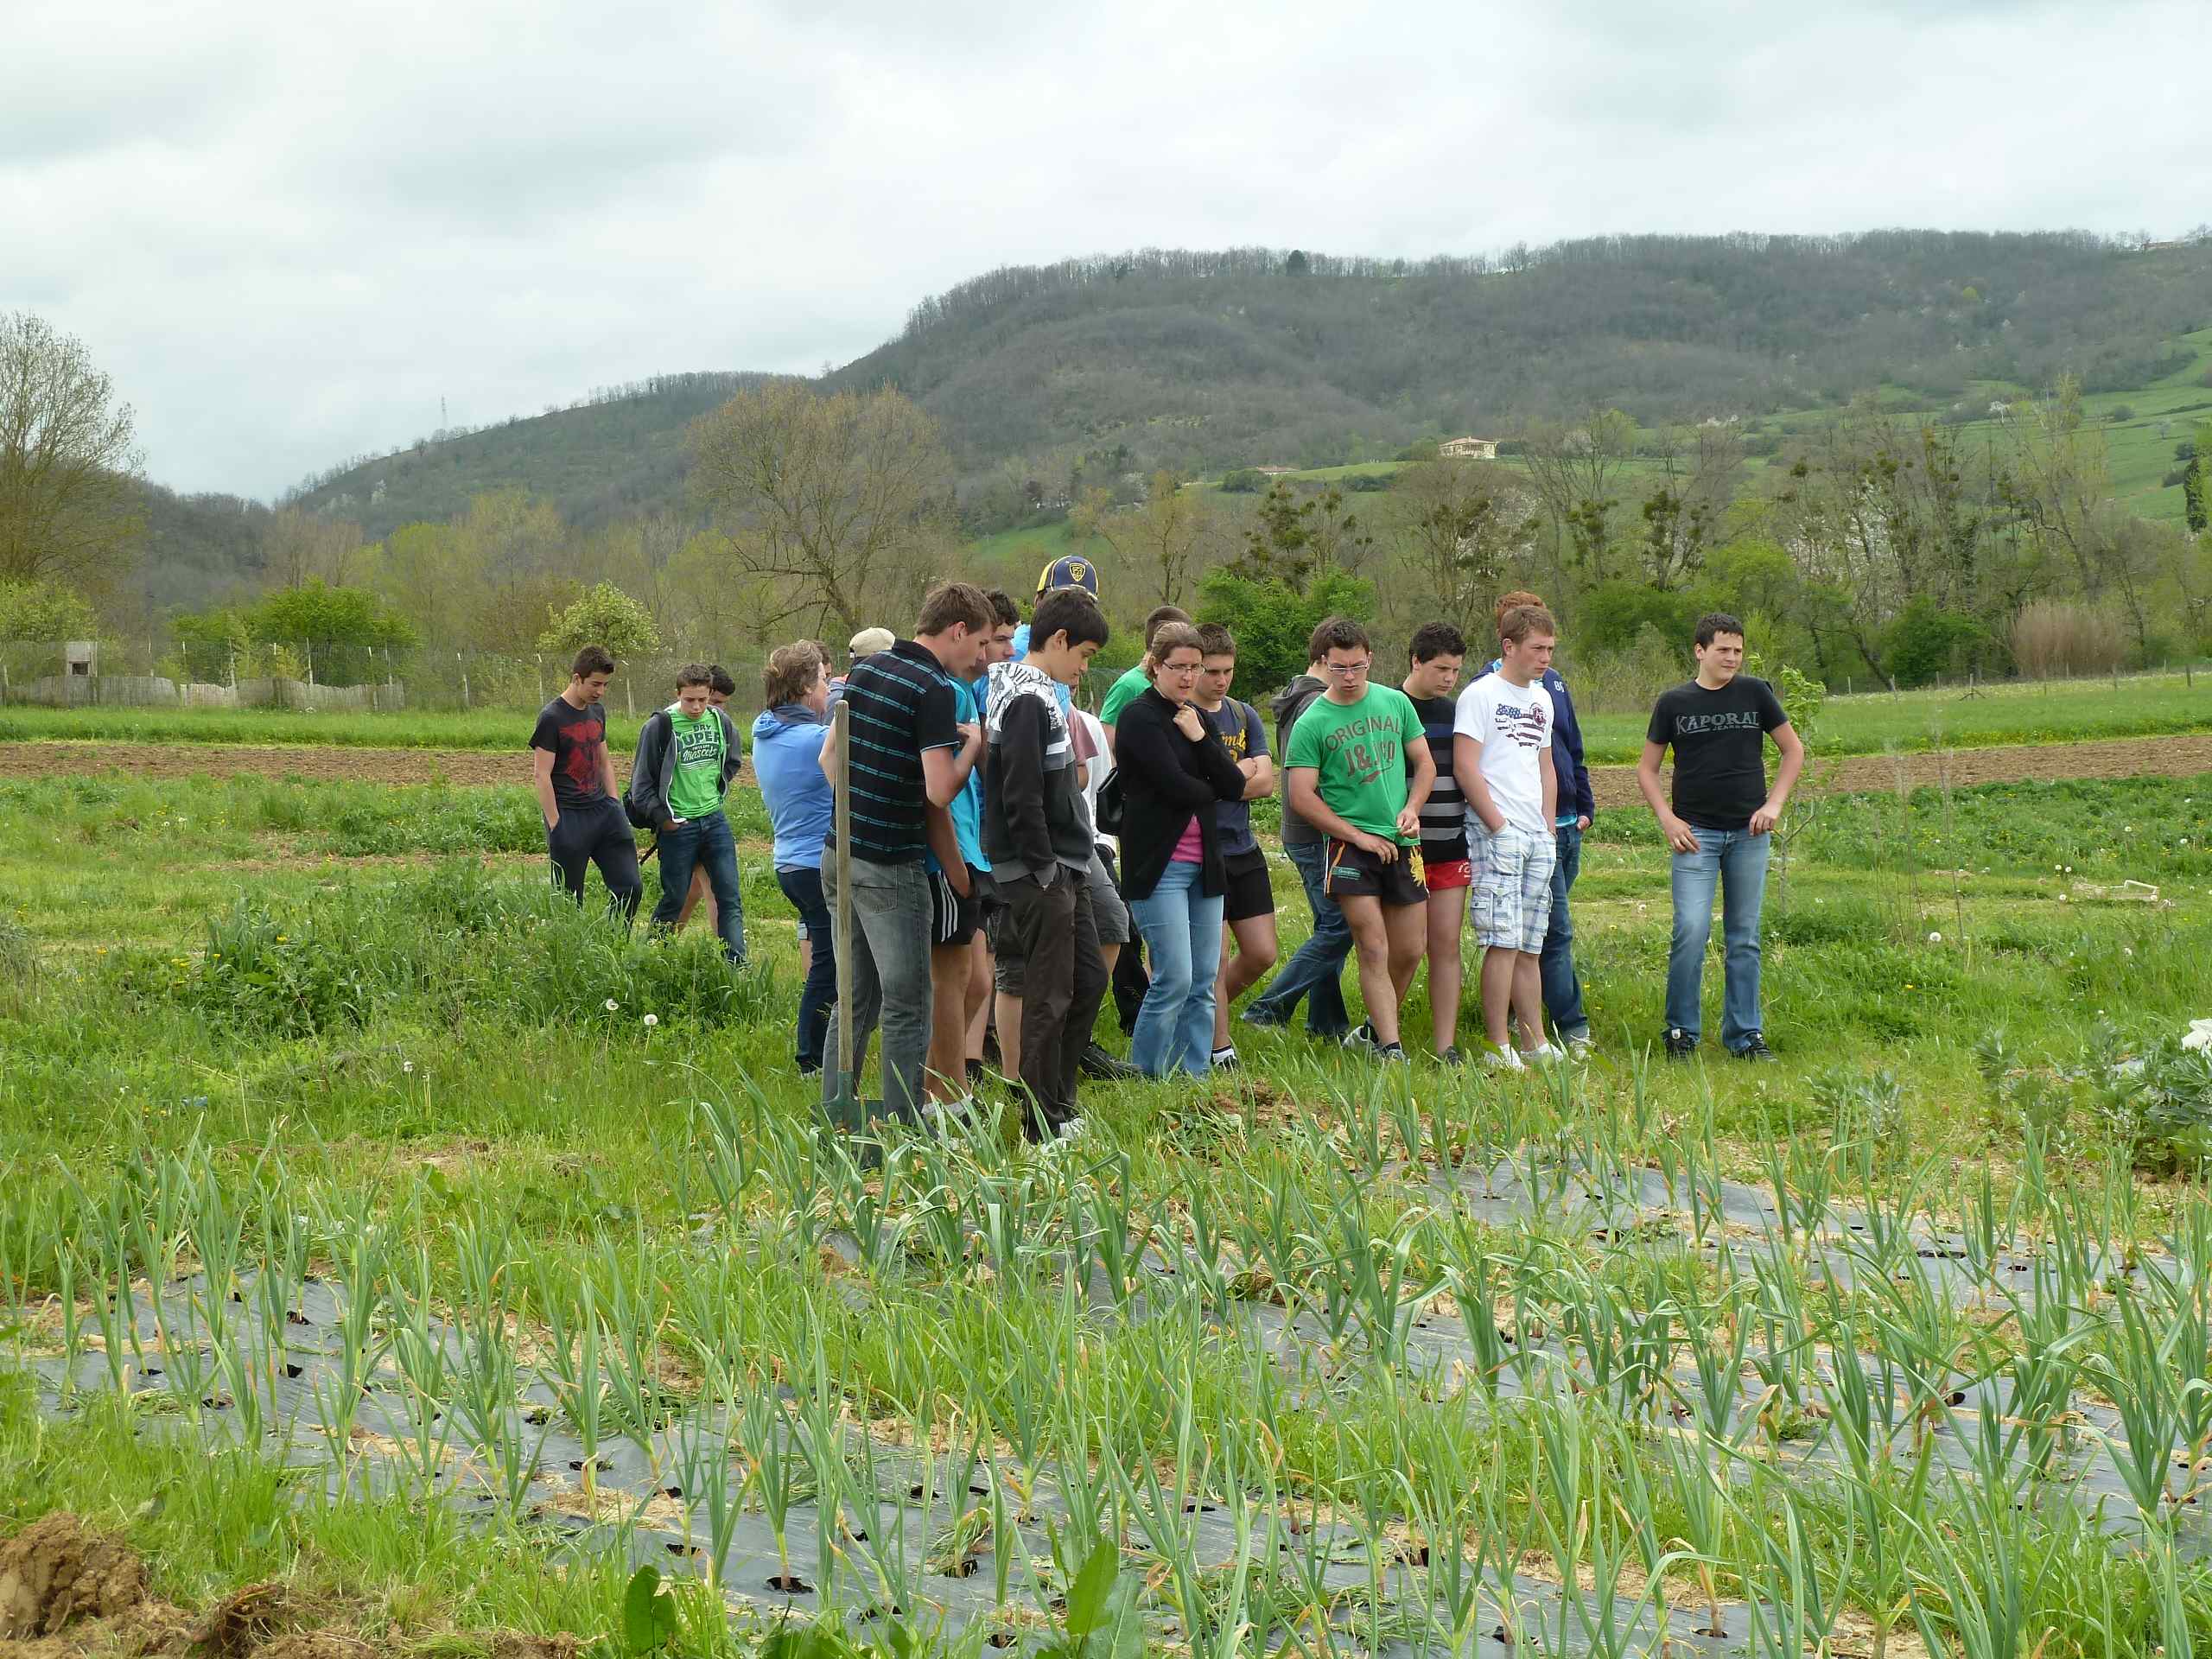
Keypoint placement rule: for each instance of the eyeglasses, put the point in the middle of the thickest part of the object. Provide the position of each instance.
(1348, 671)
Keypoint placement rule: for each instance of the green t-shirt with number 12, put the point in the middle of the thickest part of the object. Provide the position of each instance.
(1359, 749)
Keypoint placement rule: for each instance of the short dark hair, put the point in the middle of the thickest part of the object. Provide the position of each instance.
(1162, 614)
(1003, 607)
(1216, 640)
(592, 659)
(1336, 634)
(1522, 620)
(695, 674)
(791, 671)
(1714, 622)
(1434, 640)
(951, 603)
(1071, 610)
(718, 679)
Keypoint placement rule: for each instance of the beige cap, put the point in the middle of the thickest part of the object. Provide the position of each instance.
(869, 641)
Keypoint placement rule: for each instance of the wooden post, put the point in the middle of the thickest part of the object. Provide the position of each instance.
(462, 665)
(841, 924)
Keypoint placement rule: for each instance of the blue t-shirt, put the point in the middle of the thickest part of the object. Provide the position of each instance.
(967, 808)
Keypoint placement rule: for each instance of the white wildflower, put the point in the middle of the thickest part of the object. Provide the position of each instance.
(408, 1066)
(653, 1019)
(1935, 939)
(611, 1005)
(2199, 1036)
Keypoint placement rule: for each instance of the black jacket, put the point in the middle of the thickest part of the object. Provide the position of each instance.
(654, 767)
(1034, 819)
(1166, 780)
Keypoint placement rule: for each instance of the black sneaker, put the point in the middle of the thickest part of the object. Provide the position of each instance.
(1224, 1059)
(1451, 1056)
(1681, 1045)
(1391, 1053)
(1099, 1065)
(1755, 1049)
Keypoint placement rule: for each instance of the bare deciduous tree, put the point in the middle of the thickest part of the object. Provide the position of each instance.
(1169, 533)
(1578, 470)
(297, 548)
(1462, 524)
(838, 502)
(68, 504)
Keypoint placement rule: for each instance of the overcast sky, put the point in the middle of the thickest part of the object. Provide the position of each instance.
(288, 232)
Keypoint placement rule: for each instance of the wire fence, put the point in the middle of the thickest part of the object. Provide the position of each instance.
(156, 672)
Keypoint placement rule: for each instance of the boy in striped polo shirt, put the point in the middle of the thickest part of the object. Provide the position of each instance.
(1438, 653)
(911, 756)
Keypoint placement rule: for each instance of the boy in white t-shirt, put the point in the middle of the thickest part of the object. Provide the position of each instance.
(1502, 759)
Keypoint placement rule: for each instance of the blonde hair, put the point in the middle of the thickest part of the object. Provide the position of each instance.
(791, 671)
(1514, 602)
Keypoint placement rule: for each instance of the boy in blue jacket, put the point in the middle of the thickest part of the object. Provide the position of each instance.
(1577, 806)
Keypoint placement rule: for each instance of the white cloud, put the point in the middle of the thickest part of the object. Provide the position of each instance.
(287, 232)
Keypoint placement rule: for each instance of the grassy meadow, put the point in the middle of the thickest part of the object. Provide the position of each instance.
(2052, 711)
(374, 1227)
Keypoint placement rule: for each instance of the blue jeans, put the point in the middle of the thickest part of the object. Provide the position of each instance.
(1182, 938)
(803, 886)
(1735, 861)
(1315, 971)
(1562, 990)
(705, 843)
(890, 972)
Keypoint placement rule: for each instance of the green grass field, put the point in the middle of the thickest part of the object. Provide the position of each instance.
(2141, 705)
(555, 1260)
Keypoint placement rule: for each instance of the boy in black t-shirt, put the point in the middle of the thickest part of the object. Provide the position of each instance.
(578, 794)
(1719, 826)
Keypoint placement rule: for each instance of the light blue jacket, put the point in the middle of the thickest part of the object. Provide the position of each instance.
(787, 760)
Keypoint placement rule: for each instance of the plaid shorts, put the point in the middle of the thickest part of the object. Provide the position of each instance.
(1510, 902)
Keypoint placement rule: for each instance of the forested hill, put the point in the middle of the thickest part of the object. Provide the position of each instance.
(1215, 360)
(1202, 361)
(615, 455)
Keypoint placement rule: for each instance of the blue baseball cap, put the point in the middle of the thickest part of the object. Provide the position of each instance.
(1070, 572)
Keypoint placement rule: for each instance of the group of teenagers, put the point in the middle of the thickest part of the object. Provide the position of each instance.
(1012, 856)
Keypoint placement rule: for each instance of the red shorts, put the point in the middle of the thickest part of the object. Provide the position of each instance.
(1443, 874)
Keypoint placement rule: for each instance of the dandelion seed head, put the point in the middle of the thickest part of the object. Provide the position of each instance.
(611, 1005)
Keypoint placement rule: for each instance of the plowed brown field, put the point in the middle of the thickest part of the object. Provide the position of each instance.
(2133, 757)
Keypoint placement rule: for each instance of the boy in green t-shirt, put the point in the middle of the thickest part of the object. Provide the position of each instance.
(687, 754)
(1137, 681)
(1360, 772)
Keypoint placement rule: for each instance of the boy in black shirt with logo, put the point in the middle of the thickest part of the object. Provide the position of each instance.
(578, 795)
(1720, 827)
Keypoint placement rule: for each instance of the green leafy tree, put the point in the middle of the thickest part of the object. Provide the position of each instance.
(605, 616)
(1273, 620)
(43, 611)
(211, 645)
(69, 504)
(330, 618)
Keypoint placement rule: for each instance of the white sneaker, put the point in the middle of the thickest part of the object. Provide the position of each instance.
(1581, 1046)
(1075, 1129)
(1543, 1054)
(1502, 1059)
